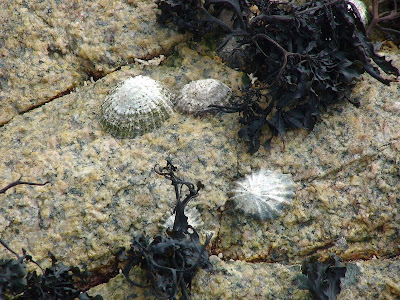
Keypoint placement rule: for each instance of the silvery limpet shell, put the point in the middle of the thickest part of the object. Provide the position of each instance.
(264, 194)
(137, 105)
(362, 10)
(196, 96)
(193, 215)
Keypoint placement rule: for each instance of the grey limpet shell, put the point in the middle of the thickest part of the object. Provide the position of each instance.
(362, 10)
(137, 105)
(264, 194)
(196, 96)
(193, 215)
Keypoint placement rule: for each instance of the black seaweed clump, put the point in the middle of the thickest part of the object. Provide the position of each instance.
(308, 56)
(55, 283)
(323, 278)
(170, 261)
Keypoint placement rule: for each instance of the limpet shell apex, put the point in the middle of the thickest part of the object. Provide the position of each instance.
(137, 105)
(264, 194)
(196, 96)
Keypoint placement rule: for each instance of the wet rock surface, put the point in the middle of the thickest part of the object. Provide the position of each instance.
(50, 47)
(103, 188)
(347, 175)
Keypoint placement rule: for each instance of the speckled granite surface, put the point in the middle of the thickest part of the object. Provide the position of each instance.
(103, 188)
(373, 279)
(228, 280)
(49, 47)
(347, 199)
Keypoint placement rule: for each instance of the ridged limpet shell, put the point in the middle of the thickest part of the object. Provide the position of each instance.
(264, 194)
(196, 96)
(362, 10)
(193, 215)
(137, 105)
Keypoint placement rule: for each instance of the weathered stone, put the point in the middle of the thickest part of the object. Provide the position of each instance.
(347, 172)
(48, 48)
(103, 189)
(373, 279)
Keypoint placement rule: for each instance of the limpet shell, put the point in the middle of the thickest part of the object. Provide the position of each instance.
(193, 215)
(362, 10)
(137, 105)
(264, 194)
(196, 96)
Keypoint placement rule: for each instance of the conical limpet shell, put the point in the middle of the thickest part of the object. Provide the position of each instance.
(362, 10)
(196, 96)
(264, 194)
(137, 105)
(193, 215)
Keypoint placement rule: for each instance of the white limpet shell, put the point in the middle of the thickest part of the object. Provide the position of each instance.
(137, 105)
(194, 219)
(196, 96)
(264, 194)
(362, 10)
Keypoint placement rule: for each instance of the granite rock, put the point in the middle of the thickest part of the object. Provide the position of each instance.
(103, 188)
(373, 279)
(347, 199)
(49, 47)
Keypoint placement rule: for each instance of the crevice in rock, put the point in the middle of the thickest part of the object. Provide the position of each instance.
(61, 94)
(92, 74)
(101, 274)
(41, 18)
(356, 162)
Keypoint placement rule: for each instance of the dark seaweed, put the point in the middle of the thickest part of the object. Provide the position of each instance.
(323, 278)
(20, 182)
(308, 56)
(170, 261)
(387, 19)
(12, 274)
(56, 282)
